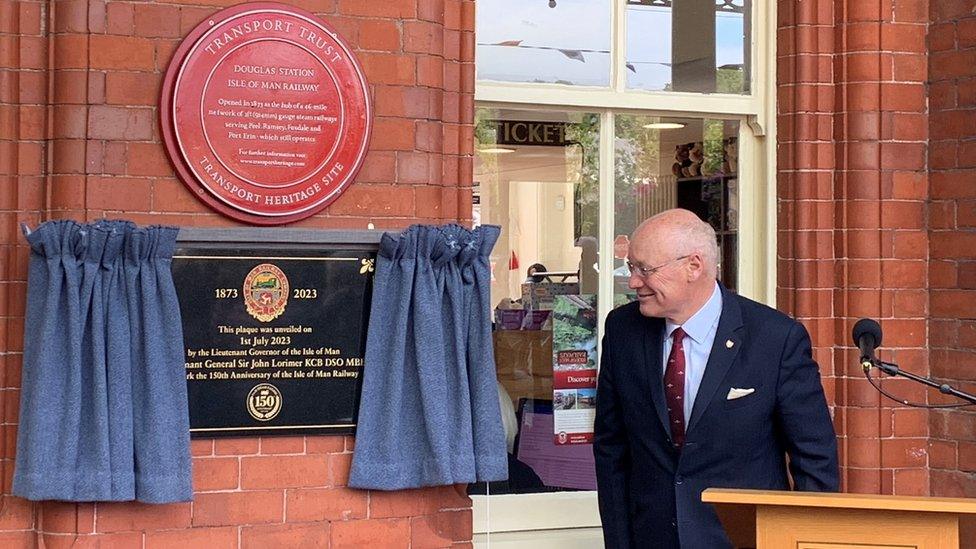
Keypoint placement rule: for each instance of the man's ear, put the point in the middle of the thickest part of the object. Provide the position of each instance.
(696, 267)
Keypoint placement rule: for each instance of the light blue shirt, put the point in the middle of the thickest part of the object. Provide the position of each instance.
(700, 330)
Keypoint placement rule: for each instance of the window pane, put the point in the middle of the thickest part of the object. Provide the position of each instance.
(675, 162)
(562, 41)
(688, 45)
(537, 176)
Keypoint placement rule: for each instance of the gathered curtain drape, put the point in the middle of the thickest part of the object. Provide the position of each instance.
(429, 412)
(103, 410)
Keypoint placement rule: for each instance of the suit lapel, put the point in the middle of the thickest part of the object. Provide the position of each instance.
(653, 369)
(721, 357)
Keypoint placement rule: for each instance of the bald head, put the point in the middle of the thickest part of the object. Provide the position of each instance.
(683, 233)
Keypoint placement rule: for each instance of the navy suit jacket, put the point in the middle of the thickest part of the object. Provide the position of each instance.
(650, 493)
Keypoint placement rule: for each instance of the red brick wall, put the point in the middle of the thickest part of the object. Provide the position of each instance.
(952, 218)
(852, 239)
(79, 88)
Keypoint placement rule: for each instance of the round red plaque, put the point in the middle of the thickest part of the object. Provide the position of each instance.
(265, 113)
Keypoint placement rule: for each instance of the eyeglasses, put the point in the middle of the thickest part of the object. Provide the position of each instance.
(645, 272)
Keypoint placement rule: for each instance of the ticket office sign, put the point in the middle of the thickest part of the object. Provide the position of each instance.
(265, 113)
(274, 344)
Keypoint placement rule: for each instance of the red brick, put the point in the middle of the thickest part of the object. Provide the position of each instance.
(16, 513)
(131, 88)
(942, 454)
(951, 64)
(388, 68)
(371, 533)
(68, 157)
(903, 274)
(71, 16)
(171, 195)
(394, 9)
(910, 67)
(423, 501)
(154, 20)
(903, 97)
(233, 508)
(70, 51)
(903, 156)
(235, 446)
(339, 465)
(124, 540)
(911, 11)
(121, 52)
(903, 37)
(120, 18)
(215, 474)
(64, 517)
(423, 37)
(943, 10)
(441, 529)
(285, 535)
(327, 444)
(120, 517)
(379, 34)
(331, 504)
(911, 482)
(70, 87)
(120, 123)
(201, 447)
(379, 167)
(284, 471)
(18, 539)
(118, 193)
(147, 159)
(430, 71)
(211, 538)
(283, 445)
(374, 200)
(866, 10)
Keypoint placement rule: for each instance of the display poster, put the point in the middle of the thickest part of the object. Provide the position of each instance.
(265, 113)
(558, 465)
(574, 372)
(274, 342)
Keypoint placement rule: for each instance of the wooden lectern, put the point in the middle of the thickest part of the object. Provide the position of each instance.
(807, 520)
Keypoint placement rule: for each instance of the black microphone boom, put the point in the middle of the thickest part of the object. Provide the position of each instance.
(867, 337)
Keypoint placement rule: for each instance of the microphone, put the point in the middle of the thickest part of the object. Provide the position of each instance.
(867, 337)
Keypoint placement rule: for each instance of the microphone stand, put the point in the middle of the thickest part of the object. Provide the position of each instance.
(893, 370)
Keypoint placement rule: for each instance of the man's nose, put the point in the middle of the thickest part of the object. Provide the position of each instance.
(635, 281)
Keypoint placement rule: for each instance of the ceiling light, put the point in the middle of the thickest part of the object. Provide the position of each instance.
(496, 150)
(664, 126)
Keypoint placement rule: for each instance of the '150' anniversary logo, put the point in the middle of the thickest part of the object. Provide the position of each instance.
(265, 292)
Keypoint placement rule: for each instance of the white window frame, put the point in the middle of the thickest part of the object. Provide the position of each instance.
(563, 516)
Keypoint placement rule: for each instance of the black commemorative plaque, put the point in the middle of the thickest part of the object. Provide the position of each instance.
(274, 335)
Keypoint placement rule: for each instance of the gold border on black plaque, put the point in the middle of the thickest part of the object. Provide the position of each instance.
(264, 402)
(266, 292)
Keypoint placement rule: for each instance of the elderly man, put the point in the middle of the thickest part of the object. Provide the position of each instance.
(699, 388)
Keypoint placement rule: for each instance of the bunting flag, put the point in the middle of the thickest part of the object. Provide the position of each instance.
(513, 262)
(574, 54)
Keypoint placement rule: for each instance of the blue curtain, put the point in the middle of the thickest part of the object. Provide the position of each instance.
(103, 408)
(429, 411)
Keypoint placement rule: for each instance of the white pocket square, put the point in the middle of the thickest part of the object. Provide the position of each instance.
(738, 393)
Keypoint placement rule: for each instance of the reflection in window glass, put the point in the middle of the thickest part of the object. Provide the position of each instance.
(688, 45)
(537, 176)
(675, 163)
(559, 41)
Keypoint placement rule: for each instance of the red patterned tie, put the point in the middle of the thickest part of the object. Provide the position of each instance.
(674, 388)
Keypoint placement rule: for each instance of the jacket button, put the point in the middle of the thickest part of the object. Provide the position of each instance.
(679, 479)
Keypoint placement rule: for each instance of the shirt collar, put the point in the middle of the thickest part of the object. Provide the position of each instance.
(700, 324)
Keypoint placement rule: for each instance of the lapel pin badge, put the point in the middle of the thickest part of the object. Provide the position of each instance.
(729, 344)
